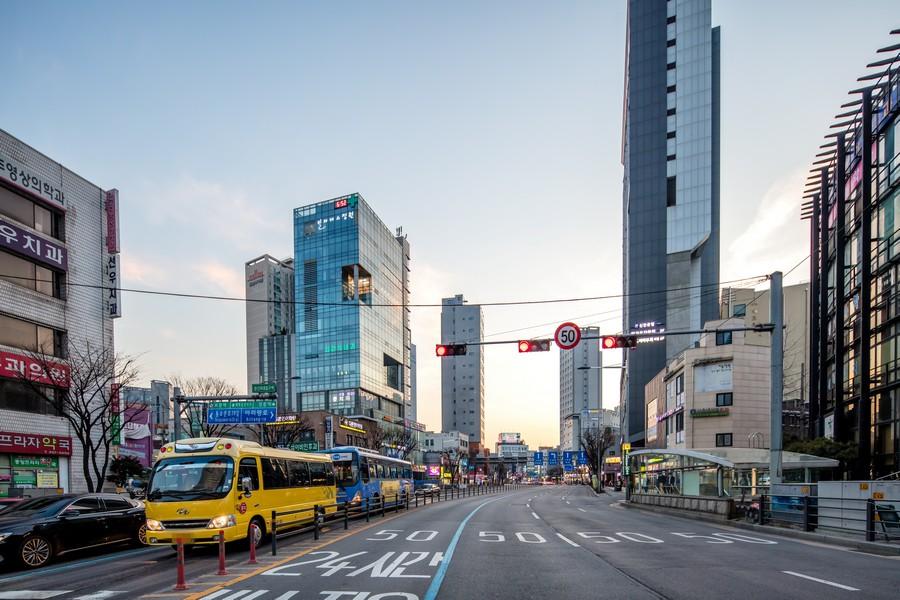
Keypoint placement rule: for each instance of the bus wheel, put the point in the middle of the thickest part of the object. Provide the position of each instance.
(260, 532)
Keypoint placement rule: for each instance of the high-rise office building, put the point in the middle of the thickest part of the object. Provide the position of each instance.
(580, 389)
(412, 404)
(670, 150)
(270, 326)
(462, 377)
(352, 323)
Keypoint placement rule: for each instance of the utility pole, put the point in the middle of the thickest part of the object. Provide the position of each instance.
(776, 308)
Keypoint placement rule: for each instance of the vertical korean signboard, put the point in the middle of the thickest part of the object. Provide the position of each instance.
(112, 268)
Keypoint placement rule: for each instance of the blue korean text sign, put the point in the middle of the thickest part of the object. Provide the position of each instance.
(567, 457)
(538, 458)
(553, 458)
(246, 412)
(582, 457)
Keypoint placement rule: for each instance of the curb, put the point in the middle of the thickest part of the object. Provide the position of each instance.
(871, 547)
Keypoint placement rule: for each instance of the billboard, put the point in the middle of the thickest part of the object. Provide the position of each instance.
(713, 377)
(138, 439)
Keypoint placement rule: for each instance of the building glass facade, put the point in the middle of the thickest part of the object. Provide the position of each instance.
(670, 151)
(352, 326)
(855, 278)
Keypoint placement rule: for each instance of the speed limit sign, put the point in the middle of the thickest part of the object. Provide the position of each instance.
(567, 336)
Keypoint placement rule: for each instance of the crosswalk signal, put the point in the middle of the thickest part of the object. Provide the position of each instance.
(450, 350)
(611, 342)
(534, 345)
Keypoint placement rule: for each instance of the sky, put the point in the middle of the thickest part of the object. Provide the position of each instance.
(491, 132)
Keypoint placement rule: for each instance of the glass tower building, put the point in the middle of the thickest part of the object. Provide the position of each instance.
(670, 150)
(352, 323)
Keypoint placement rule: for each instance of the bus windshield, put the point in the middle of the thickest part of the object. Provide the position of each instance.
(345, 472)
(191, 478)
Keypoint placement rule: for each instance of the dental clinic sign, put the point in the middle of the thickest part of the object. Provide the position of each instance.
(112, 268)
(33, 246)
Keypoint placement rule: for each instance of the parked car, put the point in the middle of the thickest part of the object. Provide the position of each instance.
(35, 531)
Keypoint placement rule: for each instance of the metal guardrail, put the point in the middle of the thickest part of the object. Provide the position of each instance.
(288, 523)
(876, 520)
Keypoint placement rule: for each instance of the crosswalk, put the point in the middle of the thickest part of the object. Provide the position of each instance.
(228, 594)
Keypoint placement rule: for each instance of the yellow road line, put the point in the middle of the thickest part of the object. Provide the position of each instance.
(272, 565)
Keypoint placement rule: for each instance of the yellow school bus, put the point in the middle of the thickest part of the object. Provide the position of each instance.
(201, 486)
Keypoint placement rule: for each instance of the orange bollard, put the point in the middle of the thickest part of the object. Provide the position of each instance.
(253, 529)
(180, 585)
(221, 570)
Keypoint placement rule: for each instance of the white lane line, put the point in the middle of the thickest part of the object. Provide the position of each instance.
(534, 514)
(825, 581)
(98, 595)
(529, 506)
(32, 594)
(567, 502)
(221, 592)
(582, 510)
(570, 542)
(289, 595)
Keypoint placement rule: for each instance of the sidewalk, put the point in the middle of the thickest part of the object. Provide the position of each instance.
(835, 539)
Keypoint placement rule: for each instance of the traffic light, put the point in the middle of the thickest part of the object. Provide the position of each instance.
(534, 345)
(450, 349)
(611, 342)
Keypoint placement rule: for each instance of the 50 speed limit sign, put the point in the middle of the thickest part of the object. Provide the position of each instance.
(567, 336)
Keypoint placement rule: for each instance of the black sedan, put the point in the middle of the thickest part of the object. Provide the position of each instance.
(35, 531)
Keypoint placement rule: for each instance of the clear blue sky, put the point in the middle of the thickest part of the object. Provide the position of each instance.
(490, 131)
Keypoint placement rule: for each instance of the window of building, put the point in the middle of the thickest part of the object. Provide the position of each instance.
(24, 397)
(723, 338)
(30, 336)
(740, 310)
(25, 273)
(723, 439)
(670, 43)
(670, 89)
(724, 399)
(670, 66)
(30, 213)
(670, 135)
(670, 112)
(670, 157)
(670, 20)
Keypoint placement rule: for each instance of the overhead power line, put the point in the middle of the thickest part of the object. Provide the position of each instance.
(380, 305)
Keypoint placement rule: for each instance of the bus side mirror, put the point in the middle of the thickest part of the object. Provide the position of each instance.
(246, 485)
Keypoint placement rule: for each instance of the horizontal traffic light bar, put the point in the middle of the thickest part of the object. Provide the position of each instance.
(627, 340)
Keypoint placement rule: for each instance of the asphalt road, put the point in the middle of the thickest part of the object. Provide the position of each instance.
(551, 541)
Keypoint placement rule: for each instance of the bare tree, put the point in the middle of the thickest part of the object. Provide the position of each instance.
(284, 434)
(195, 412)
(376, 437)
(596, 443)
(452, 459)
(403, 440)
(88, 398)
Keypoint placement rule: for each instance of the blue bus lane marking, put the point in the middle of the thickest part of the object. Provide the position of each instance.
(435, 586)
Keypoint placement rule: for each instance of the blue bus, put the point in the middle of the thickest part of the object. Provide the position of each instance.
(361, 473)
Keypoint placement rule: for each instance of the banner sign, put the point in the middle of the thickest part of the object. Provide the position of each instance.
(38, 248)
(709, 412)
(138, 441)
(31, 443)
(16, 366)
(242, 412)
(113, 301)
(111, 205)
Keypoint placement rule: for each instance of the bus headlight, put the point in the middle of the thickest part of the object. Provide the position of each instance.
(154, 525)
(221, 521)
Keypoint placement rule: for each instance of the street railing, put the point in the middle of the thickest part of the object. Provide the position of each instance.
(874, 519)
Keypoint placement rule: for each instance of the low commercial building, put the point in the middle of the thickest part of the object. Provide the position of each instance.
(715, 394)
(59, 293)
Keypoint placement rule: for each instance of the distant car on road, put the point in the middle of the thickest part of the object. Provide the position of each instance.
(429, 488)
(35, 531)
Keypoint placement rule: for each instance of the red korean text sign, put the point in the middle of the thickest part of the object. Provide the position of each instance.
(35, 443)
(17, 366)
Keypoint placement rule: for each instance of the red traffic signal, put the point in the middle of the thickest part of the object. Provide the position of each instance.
(611, 342)
(534, 345)
(450, 349)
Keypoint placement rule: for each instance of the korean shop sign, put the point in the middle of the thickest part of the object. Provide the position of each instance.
(34, 443)
(31, 245)
(35, 462)
(17, 366)
(13, 172)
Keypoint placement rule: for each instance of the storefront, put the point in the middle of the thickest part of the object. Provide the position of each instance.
(33, 464)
